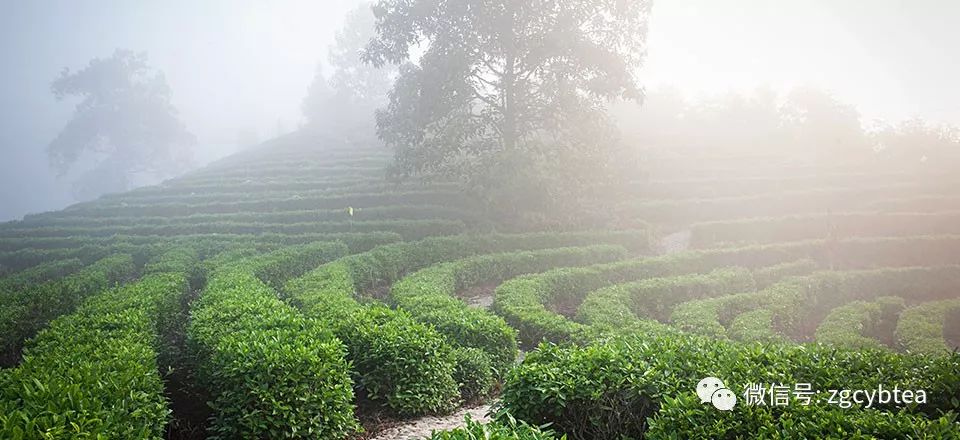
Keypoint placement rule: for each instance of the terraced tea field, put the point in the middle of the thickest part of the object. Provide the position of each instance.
(293, 291)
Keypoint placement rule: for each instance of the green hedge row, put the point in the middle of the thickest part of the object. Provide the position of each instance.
(524, 301)
(770, 275)
(792, 315)
(24, 312)
(274, 183)
(410, 229)
(17, 260)
(272, 372)
(38, 274)
(303, 173)
(677, 212)
(395, 359)
(430, 294)
(52, 248)
(447, 198)
(860, 324)
(920, 329)
(506, 429)
(793, 228)
(727, 186)
(794, 307)
(397, 212)
(385, 265)
(654, 298)
(643, 386)
(230, 194)
(307, 170)
(94, 373)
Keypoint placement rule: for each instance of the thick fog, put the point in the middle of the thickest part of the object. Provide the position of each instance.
(239, 69)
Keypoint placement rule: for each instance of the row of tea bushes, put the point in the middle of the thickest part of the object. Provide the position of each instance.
(40, 273)
(802, 227)
(654, 298)
(395, 360)
(395, 212)
(429, 294)
(48, 249)
(94, 373)
(524, 301)
(643, 386)
(505, 429)
(921, 328)
(794, 308)
(272, 372)
(230, 194)
(387, 264)
(860, 324)
(410, 229)
(24, 312)
(293, 203)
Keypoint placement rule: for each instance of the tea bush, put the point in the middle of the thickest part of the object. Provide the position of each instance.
(272, 372)
(643, 385)
(429, 295)
(93, 373)
(473, 372)
(920, 328)
(507, 429)
(857, 324)
(396, 360)
(24, 312)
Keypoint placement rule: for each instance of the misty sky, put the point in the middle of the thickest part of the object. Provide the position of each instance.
(244, 65)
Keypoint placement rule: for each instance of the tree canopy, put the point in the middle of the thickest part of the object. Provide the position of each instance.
(348, 100)
(124, 124)
(494, 90)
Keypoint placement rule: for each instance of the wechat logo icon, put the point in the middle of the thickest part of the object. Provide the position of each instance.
(711, 389)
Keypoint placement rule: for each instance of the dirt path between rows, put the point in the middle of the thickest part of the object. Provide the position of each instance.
(482, 297)
(424, 426)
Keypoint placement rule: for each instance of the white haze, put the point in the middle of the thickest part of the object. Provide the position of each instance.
(242, 67)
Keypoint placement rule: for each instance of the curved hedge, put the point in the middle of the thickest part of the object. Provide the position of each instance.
(410, 229)
(796, 306)
(93, 373)
(860, 324)
(38, 274)
(687, 211)
(642, 385)
(54, 248)
(449, 198)
(395, 212)
(272, 372)
(655, 298)
(395, 359)
(24, 312)
(507, 429)
(523, 301)
(921, 328)
(387, 264)
(803, 227)
(429, 295)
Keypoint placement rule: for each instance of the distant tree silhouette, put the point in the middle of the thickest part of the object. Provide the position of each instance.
(347, 101)
(822, 124)
(124, 125)
(916, 141)
(508, 94)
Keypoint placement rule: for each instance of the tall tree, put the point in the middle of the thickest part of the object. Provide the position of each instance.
(124, 125)
(348, 100)
(824, 126)
(504, 88)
